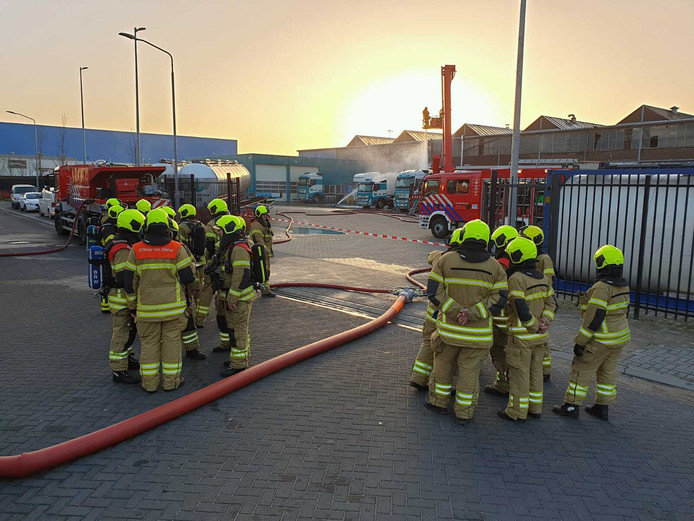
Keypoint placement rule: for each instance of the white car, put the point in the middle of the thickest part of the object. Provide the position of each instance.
(30, 202)
(16, 194)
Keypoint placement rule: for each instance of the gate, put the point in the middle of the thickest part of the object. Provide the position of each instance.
(647, 213)
(531, 200)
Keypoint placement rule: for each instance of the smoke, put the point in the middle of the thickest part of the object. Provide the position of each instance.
(392, 157)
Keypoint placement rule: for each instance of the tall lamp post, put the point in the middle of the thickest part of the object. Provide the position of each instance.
(138, 154)
(515, 141)
(36, 145)
(173, 105)
(84, 134)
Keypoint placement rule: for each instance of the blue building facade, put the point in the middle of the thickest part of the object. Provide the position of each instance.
(110, 145)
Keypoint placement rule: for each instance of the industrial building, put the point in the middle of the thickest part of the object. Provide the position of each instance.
(58, 145)
(647, 134)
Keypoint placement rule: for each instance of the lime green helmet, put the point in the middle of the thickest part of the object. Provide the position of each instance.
(260, 210)
(131, 220)
(169, 211)
(112, 202)
(475, 230)
(521, 249)
(144, 206)
(231, 224)
(503, 235)
(608, 255)
(216, 206)
(534, 233)
(173, 226)
(157, 216)
(187, 210)
(114, 211)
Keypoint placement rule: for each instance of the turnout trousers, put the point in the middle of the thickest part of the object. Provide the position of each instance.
(122, 339)
(525, 379)
(161, 347)
(600, 361)
(547, 360)
(468, 362)
(189, 335)
(204, 301)
(498, 355)
(424, 363)
(239, 321)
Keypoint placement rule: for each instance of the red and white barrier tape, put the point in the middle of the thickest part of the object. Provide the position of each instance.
(343, 230)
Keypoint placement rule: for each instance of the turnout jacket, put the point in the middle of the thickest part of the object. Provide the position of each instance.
(431, 309)
(261, 234)
(530, 299)
(237, 279)
(545, 265)
(604, 308)
(471, 279)
(156, 269)
(117, 253)
(212, 237)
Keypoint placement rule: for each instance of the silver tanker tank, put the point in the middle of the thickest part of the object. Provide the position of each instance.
(211, 178)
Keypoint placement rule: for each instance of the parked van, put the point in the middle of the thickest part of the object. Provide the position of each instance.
(16, 194)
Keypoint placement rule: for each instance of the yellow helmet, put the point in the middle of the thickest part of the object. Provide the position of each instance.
(503, 235)
(476, 230)
(534, 233)
(187, 210)
(173, 226)
(521, 249)
(456, 238)
(131, 220)
(157, 216)
(608, 255)
(216, 206)
(114, 211)
(112, 202)
(169, 211)
(144, 206)
(231, 224)
(260, 210)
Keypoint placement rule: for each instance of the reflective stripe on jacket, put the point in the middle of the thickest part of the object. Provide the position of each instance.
(605, 315)
(530, 300)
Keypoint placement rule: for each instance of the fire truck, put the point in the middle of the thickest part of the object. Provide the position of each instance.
(89, 186)
(449, 200)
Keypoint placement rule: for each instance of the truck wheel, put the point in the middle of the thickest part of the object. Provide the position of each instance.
(59, 224)
(380, 204)
(318, 199)
(439, 227)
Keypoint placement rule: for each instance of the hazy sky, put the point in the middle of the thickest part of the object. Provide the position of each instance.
(291, 74)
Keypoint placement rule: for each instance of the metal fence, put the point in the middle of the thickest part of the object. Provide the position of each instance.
(531, 197)
(647, 213)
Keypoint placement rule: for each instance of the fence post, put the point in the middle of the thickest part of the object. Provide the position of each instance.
(552, 225)
(642, 246)
(237, 201)
(229, 188)
(193, 194)
(491, 203)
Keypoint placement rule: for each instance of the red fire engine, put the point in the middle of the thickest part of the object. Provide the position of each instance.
(89, 186)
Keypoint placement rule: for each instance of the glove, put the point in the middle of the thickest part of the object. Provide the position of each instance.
(464, 317)
(578, 350)
(544, 326)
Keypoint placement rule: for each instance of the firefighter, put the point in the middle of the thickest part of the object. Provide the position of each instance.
(530, 311)
(169, 211)
(239, 288)
(469, 287)
(546, 266)
(109, 202)
(501, 236)
(601, 338)
(156, 270)
(120, 356)
(261, 233)
(190, 230)
(424, 363)
(217, 209)
(107, 232)
(144, 206)
(189, 335)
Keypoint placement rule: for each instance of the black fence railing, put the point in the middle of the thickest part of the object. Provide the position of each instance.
(647, 213)
(531, 197)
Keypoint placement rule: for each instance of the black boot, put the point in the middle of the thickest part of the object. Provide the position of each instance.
(124, 377)
(133, 362)
(568, 409)
(419, 387)
(195, 355)
(490, 389)
(435, 408)
(545, 378)
(221, 349)
(599, 411)
(228, 371)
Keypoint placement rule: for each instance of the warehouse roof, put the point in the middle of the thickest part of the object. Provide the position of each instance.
(360, 141)
(472, 129)
(407, 136)
(651, 113)
(554, 123)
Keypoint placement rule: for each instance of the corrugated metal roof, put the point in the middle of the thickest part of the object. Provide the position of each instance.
(668, 114)
(416, 135)
(568, 124)
(369, 140)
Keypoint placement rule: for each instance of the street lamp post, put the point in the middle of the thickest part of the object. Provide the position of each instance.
(138, 154)
(84, 134)
(515, 141)
(173, 105)
(36, 145)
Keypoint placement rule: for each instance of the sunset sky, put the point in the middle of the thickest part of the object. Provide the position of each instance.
(291, 74)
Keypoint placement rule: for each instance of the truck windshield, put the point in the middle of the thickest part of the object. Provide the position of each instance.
(430, 187)
(365, 187)
(404, 183)
(303, 181)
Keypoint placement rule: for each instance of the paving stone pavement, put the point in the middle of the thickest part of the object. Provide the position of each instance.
(340, 436)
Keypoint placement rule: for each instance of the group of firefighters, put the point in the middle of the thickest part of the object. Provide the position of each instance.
(503, 304)
(162, 270)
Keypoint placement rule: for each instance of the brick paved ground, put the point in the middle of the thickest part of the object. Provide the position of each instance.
(340, 436)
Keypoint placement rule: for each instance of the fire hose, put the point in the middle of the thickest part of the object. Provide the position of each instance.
(55, 250)
(26, 464)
